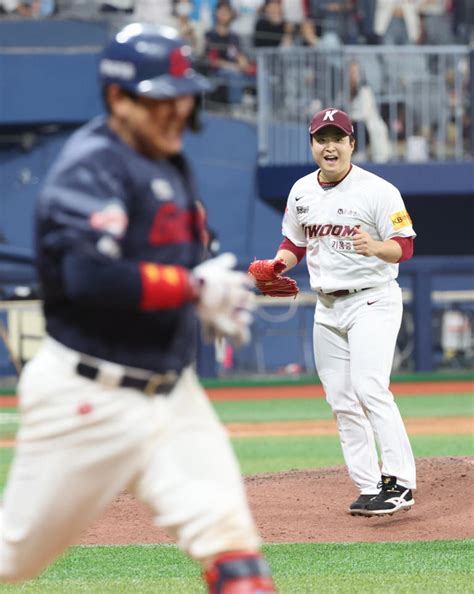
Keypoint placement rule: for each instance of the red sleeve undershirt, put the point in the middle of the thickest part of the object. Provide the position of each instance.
(406, 243)
(299, 252)
(164, 287)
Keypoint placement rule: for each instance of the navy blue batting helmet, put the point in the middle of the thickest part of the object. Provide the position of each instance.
(150, 60)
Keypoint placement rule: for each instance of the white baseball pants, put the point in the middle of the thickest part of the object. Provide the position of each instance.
(354, 345)
(81, 443)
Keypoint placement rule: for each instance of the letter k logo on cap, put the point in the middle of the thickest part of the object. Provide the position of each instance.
(329, 115)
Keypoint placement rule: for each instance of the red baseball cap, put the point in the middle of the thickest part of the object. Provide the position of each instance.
(331, 117)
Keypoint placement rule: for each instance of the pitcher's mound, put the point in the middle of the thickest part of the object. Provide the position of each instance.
(311, 506)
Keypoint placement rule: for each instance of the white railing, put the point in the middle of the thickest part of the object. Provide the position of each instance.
(414, 106)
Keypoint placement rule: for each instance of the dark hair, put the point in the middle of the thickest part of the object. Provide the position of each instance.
(105, 101)
(225, 4)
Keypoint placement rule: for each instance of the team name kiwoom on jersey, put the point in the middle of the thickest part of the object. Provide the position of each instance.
(311, 231)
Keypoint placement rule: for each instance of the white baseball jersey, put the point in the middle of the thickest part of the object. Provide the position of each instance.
(324, 221)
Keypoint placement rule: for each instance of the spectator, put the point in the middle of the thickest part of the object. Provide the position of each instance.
(17, 7)
(365, 19)
(203, 11)
(334, 20)
(463, 21)
(29, 8)
(225, 59)
(371, 130)
(300, 26)
(397, 22)
(188, 30)
(436, 22)
(247, 14)
(271, 30)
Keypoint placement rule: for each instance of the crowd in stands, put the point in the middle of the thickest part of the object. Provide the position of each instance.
(285, 22)
(227, 34)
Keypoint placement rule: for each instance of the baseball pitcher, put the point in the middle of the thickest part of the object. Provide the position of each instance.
(354, 230)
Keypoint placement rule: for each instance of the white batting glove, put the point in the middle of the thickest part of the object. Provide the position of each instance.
(226, 299)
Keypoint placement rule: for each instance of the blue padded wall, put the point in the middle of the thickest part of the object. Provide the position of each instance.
(48, 70)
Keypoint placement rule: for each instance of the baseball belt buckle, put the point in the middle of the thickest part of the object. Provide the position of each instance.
(159, 379)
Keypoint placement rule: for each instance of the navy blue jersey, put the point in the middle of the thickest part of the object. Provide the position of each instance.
(103, 210)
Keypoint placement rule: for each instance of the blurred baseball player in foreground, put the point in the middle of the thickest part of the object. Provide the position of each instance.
(354, 230)
(111, 400)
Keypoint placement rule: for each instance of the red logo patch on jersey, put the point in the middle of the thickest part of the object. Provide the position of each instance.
(112, 220)
(173, 225)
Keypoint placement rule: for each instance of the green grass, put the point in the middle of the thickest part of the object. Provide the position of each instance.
(428, 567)
(9, 418)
(288, 409)
(442, 445)
(6, 455)
(295, 409)
(442, 405)
(275, 454)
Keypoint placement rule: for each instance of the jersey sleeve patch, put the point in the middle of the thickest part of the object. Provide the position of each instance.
(112, 219)
(400, 219)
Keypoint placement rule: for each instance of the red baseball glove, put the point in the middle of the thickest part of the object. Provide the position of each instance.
(269, 280)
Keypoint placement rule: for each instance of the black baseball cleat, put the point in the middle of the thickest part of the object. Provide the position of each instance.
(357, 507)
(391, 498)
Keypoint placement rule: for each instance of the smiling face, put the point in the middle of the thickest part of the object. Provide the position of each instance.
(332, 150)
(153, 127)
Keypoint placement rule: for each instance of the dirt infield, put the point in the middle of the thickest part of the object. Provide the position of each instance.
(414, 425)
(316, 390)
(310, 506)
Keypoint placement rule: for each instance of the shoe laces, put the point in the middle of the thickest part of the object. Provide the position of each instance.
(388, 487)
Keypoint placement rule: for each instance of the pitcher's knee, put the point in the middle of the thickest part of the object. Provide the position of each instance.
(338, 402)
(370, 391)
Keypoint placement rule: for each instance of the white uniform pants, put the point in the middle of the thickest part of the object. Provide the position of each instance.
(354, 344)
(81, 443)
